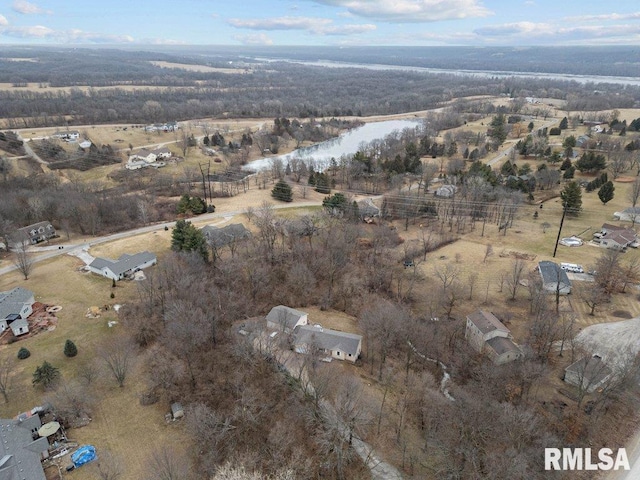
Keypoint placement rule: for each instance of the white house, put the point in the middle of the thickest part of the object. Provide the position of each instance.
(486, 334)
(144, 155)
(126, 265)
(15, 307)
(285, 318)
(339, 345)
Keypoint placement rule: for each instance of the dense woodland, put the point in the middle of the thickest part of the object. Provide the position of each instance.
(261, 90)
(496, 428)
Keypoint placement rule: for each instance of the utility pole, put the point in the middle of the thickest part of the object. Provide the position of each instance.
(564, 212)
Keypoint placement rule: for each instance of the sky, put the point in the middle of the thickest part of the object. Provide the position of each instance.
(321, 22)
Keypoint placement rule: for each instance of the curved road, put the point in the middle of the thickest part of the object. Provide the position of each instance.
(137, 231)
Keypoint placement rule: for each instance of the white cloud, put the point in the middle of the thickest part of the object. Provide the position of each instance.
(3, 21)
(36, 31)
(605, 17)
(63, 36)
(412, 11)
(517, 28)
(347, 29)
(282, 23)
(27, 8)
(520, 33)
(254, 39)
(318, 26)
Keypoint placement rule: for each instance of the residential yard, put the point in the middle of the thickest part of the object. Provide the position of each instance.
(118, 414)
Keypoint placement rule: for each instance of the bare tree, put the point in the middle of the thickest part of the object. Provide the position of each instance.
(488, 252)
(7, 365)
(118, 354)
(472, 279)
(634, 194)
(108, 466)
(23, 260)
(168, 464)
(447, 275)
(514, 276)
(594, 297)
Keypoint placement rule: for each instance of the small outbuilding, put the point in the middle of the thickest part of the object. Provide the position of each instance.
(177, 411)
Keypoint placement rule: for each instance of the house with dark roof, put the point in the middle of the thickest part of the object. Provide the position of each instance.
(615, 237)
(589, 373)
(220, 237)
(15, 307)
(332, 343)
(285, 319)
(125, 266)
(554, 278)
(32, 234)
(488, 335)
(22, 449)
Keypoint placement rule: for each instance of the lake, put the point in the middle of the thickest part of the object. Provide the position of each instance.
(346, 144)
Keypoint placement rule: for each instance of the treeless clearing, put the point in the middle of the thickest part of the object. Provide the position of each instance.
(199, 68)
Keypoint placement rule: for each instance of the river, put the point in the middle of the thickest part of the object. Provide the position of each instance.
(471, 73)
(346, 144)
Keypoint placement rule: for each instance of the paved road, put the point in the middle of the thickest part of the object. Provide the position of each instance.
(75, 248)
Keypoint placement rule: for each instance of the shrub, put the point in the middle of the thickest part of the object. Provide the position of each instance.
(23, 353)
(46, 375)
(70, 349)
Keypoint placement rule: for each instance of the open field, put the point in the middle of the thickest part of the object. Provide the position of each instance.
(199, 68)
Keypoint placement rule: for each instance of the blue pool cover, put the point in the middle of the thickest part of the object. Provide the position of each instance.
(84, 454)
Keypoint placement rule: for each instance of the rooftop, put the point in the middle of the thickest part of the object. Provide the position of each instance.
(11, 302)
(125, 263)
(327, 339)
(486, 322)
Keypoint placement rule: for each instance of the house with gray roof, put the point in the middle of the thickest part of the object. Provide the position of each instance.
(631, 214)
(488, 335)
(333, 343)
(15, 307)
(220, 237)
(589, 373)
(554, 278)
(125, 266)
(22, 449)
(285, 319)
(32, 234)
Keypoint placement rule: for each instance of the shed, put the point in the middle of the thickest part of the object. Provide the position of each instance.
(177, 411)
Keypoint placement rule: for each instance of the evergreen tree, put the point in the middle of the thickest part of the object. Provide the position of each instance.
(572, 198)
(322, 182)
(564, 124)
(46, 375)
(497, 130)
(70, 349)
(606, 192)
(282, 191)
(23, 353)
(186, 237)
(335, 204)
